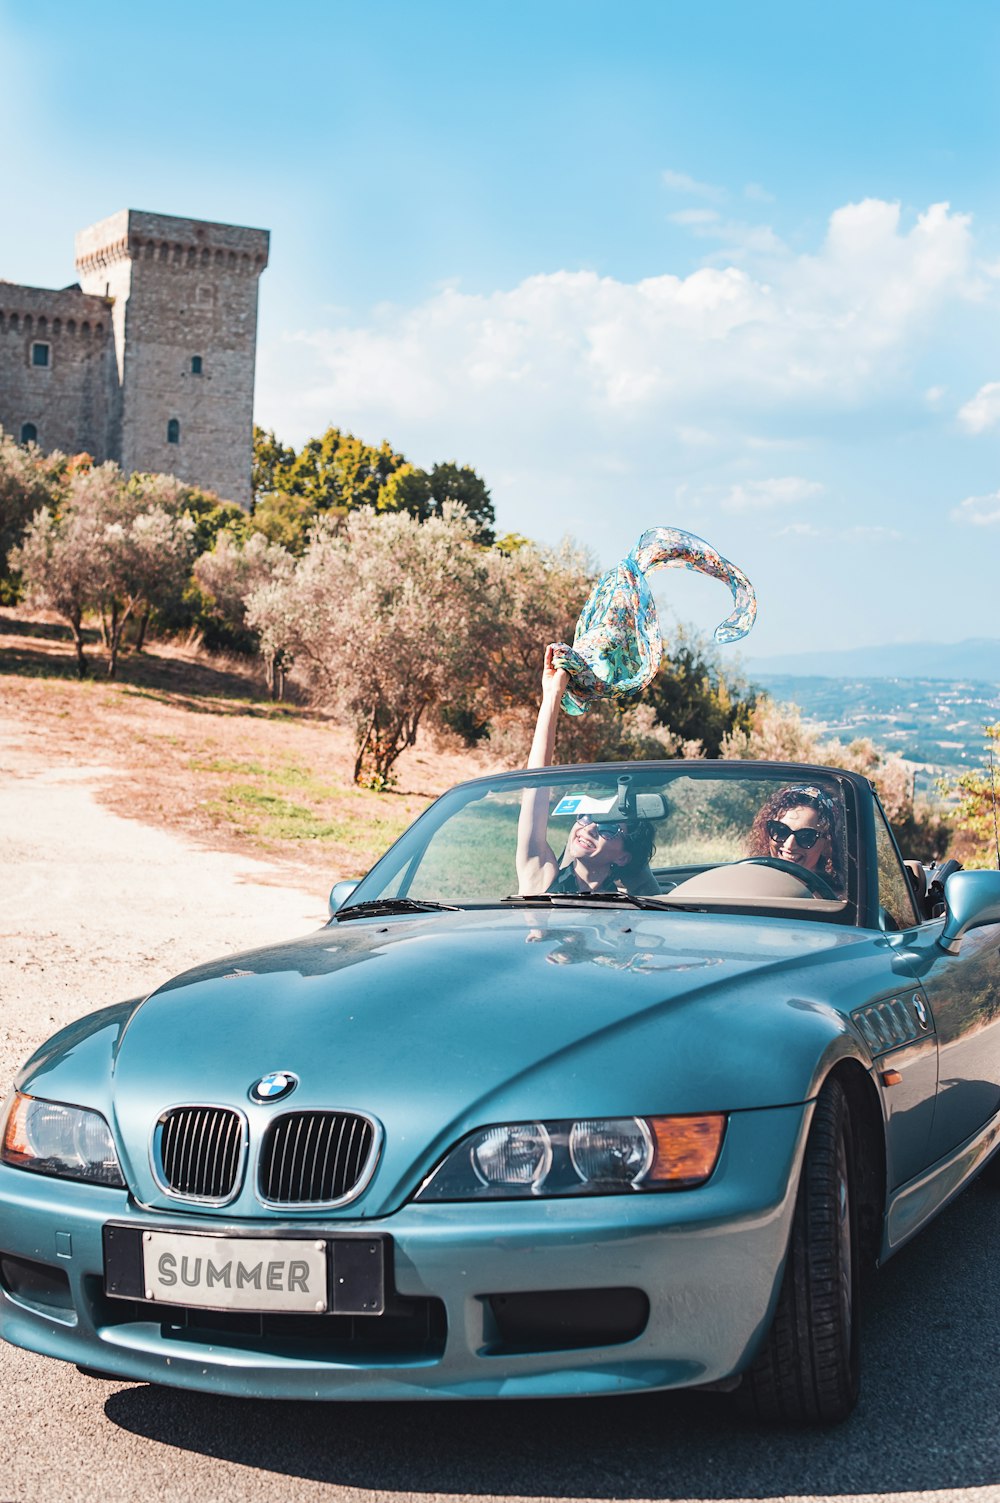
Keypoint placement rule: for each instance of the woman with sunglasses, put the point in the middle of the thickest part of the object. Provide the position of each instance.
(608, 853)
(801, 825)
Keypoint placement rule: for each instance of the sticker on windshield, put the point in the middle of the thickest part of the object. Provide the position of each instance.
(582, 803)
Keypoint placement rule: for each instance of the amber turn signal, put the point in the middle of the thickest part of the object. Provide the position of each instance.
(685, 1149)
(15, 1137)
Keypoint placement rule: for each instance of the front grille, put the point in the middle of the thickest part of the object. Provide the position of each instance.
(315, 1158)
(200, 1151)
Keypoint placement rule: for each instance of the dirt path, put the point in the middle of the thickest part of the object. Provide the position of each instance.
(95, 908)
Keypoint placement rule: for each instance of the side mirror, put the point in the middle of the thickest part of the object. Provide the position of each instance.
(340, 892)
(971, 900)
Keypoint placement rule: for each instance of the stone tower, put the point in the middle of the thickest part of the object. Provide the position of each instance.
(150, 360)
(184, 315)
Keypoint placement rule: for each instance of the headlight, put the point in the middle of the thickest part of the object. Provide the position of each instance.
(594, 1156)
(65, 1141)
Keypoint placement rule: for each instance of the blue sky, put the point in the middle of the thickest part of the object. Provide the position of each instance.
(727, 267)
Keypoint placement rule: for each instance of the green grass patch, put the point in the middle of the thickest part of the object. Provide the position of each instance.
(227, 764)
(258, 812)
(270, 817)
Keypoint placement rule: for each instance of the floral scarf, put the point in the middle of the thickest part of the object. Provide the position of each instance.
(617, 645)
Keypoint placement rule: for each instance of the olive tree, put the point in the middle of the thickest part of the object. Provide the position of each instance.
(28, 482)
(64, 563)
(382, 615)
(229, 575)
(103, 552)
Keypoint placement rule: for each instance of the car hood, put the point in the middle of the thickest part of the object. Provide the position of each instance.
(444, 1022)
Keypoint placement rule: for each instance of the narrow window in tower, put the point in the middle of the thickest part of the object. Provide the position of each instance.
(196, 365)
(39, 353)
(29, 433)
(173, 431)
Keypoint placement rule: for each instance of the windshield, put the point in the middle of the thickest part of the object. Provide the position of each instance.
(681, 835)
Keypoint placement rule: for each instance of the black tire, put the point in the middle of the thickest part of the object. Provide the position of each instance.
(807, 1372)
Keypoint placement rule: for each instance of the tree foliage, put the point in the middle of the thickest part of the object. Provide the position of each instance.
(227, 577)
(63, 563)
(426, 494)
(337, 473)
(29, 480)
(380, 615)
(695, 699)
(107, 550)
(977, 815)
(207, 514)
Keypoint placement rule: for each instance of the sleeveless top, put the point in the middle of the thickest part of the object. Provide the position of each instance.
(565, 881)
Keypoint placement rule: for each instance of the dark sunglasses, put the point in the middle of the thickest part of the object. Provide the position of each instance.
(779, 832)
(606, 827)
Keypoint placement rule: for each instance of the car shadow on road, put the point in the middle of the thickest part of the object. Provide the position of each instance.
(926, 1420)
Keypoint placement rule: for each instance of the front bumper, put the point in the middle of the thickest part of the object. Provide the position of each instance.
(708, 1261)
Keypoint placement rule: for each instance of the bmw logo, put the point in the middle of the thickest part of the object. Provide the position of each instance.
(274, 1087)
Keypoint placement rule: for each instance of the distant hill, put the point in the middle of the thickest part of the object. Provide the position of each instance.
(977, 658)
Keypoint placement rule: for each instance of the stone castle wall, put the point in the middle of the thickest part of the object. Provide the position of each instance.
(178, 301)
(71, 400)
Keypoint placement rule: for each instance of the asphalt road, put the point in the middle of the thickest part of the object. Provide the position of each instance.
(89, 904)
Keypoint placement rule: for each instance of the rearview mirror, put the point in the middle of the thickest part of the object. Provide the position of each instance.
(971, 900)
(650, 805)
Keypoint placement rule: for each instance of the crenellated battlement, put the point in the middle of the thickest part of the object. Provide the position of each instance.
(47, 314)
(134, 235)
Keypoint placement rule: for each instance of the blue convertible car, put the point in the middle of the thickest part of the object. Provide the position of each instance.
(486, 1135)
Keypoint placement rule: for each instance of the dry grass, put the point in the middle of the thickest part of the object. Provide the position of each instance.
(196, 746)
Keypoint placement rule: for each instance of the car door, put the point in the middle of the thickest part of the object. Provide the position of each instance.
(962, 993)
(898, 1025)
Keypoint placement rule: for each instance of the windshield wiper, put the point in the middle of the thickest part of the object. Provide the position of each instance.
(630, 899)
(393, 905)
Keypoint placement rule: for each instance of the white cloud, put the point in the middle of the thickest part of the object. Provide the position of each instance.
(983, 410)
(757, 194)
(874, 534)
(935, 395)
(694, 217)
(825, 328)
(545, 384)
(680, 182)
(978, 511)
(737, 238)
(866, 534)
(764, 495)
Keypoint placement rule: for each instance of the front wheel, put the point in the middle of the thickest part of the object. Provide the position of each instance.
(807, 1372)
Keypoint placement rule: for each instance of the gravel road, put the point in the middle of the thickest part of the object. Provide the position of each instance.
(94, 908)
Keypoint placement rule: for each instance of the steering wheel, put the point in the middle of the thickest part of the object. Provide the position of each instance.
(817, 885)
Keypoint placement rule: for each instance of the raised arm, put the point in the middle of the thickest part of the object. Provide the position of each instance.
(537, 865)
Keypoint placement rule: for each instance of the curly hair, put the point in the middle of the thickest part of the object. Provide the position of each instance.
(830, 824)
(640, 843)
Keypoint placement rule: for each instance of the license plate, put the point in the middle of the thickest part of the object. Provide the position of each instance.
(235, 1273)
